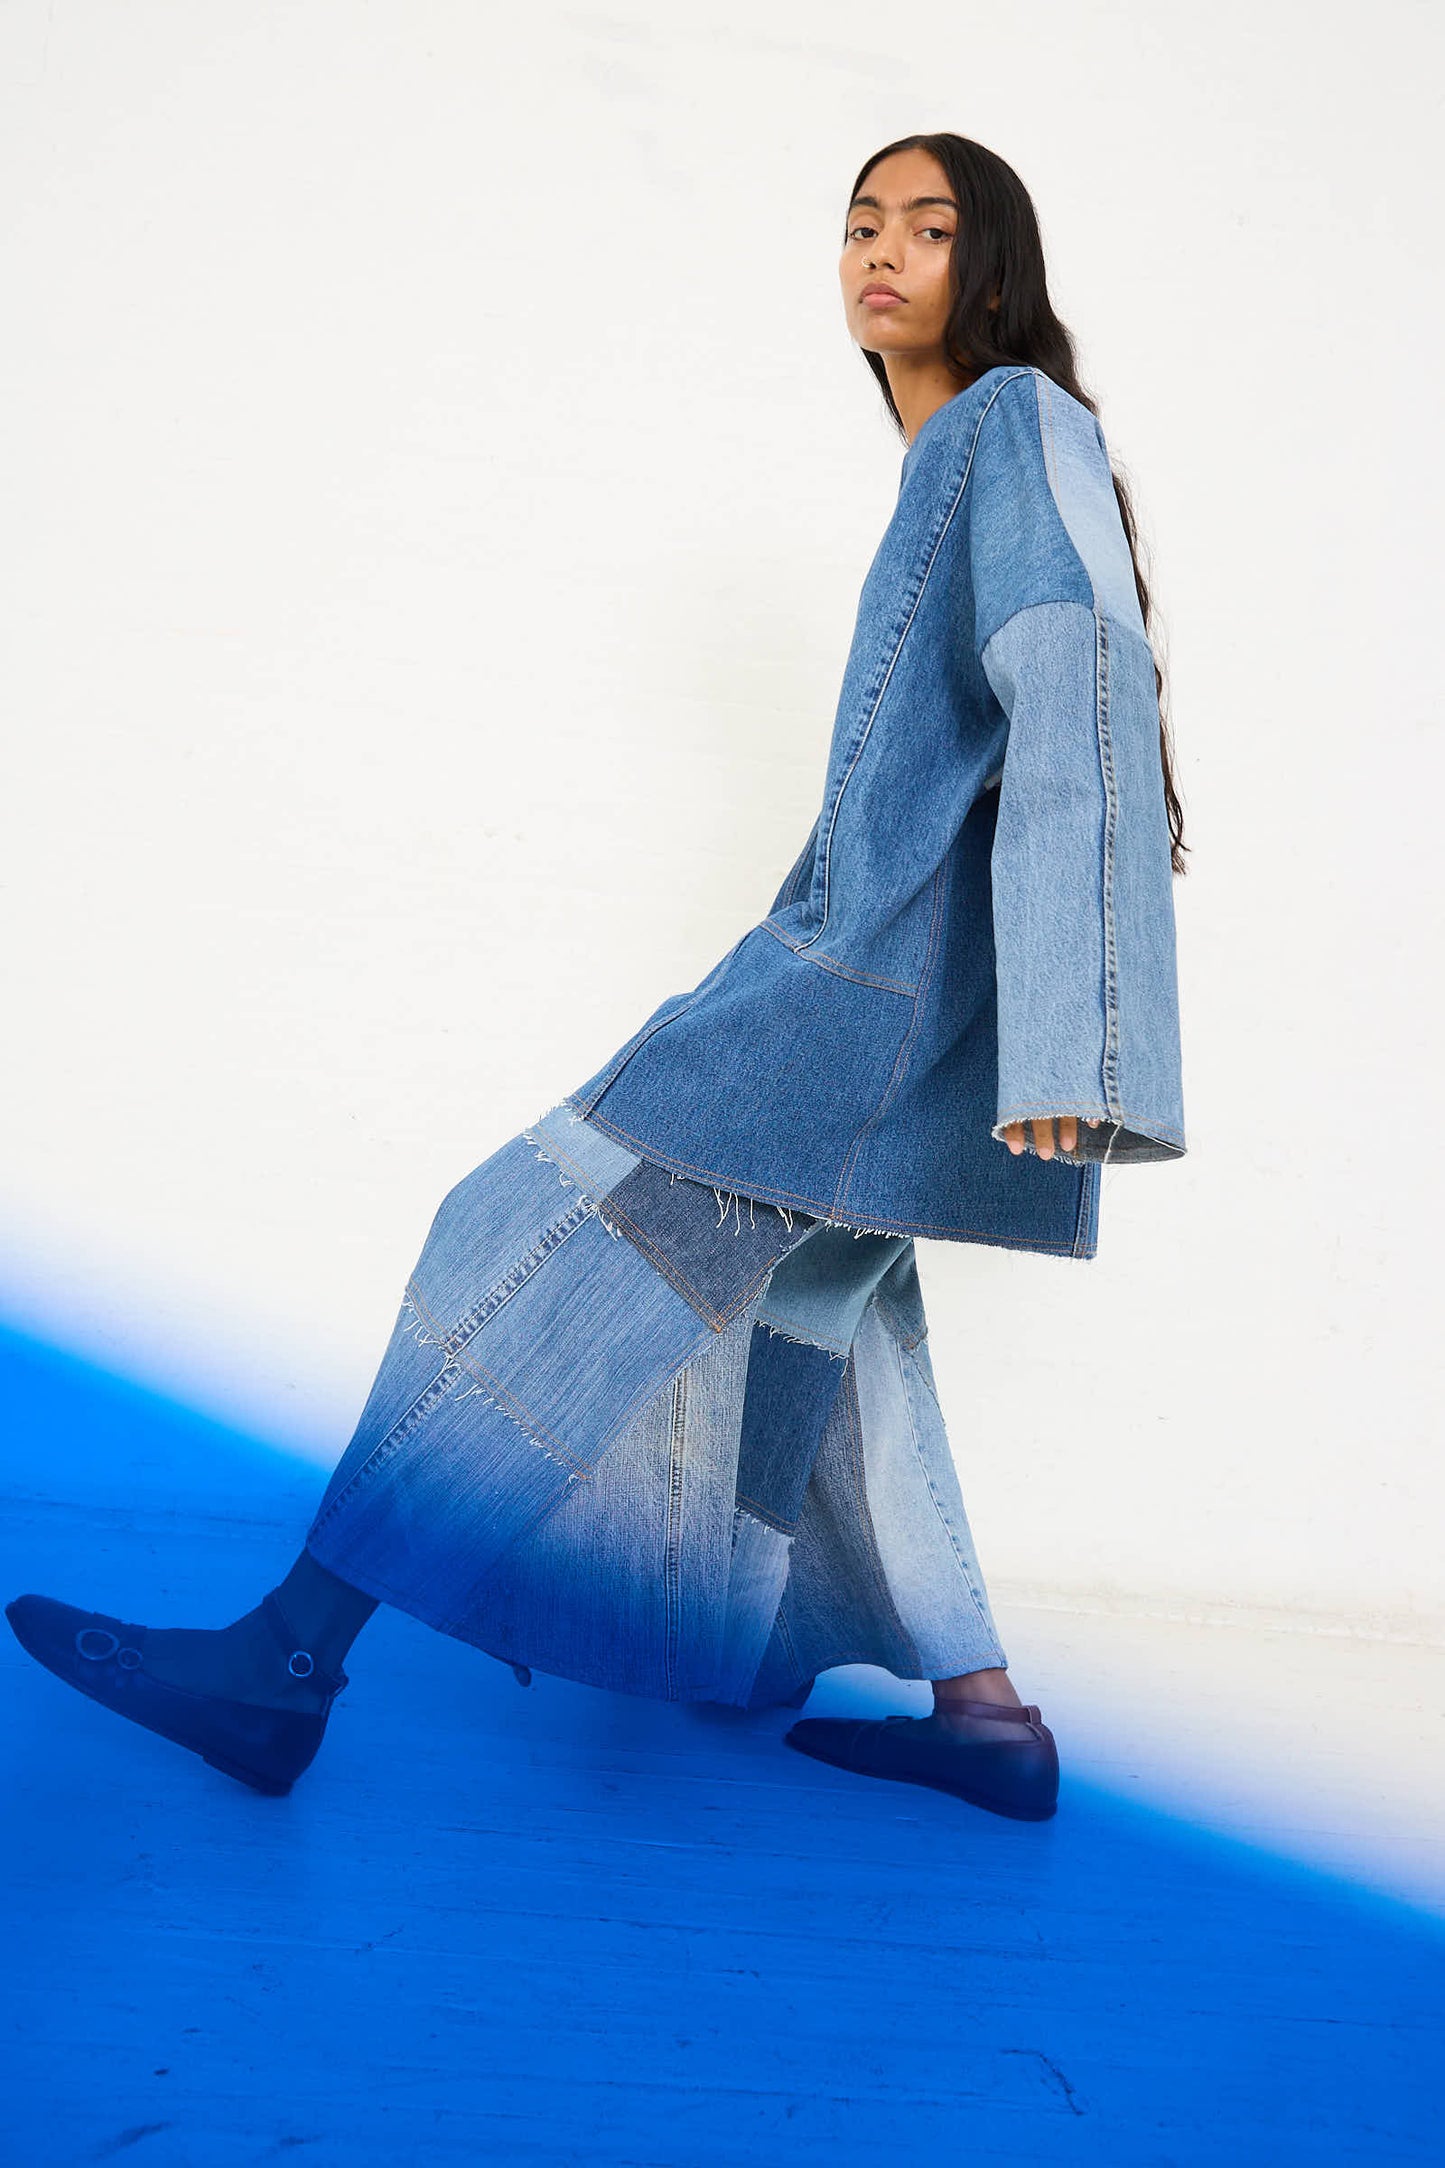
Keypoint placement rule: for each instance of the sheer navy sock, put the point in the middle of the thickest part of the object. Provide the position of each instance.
(245, 1662)
(325, 1612)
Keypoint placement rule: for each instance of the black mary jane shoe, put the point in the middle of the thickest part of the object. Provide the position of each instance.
(106, 1659)
(1017, 1777)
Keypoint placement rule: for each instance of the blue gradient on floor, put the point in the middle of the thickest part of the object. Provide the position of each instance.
(552, 1925)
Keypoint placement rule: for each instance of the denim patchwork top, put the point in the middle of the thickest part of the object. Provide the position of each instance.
(980, 926)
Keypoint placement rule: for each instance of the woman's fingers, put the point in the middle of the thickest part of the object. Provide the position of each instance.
(1043, 1130)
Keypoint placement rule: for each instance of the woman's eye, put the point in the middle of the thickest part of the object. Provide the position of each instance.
(870, 233)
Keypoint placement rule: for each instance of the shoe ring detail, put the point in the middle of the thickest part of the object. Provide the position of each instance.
(96, 1633)
(301, 1664)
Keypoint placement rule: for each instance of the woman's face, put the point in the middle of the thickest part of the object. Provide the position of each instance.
(900, 237)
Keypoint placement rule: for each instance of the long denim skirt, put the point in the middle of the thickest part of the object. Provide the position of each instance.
(646, 1435)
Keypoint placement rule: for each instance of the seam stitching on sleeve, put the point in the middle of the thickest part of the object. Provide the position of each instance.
(1111, 816)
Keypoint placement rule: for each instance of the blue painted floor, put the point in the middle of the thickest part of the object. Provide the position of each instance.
(550, 1925)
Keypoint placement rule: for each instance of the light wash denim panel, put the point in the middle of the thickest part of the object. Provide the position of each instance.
(980, 927)
(658, 1438)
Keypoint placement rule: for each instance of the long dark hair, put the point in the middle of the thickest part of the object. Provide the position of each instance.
(998, 250)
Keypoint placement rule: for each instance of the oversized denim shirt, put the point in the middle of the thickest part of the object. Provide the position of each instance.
(980, 926)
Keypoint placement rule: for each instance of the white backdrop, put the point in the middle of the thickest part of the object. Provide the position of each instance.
(437, 482)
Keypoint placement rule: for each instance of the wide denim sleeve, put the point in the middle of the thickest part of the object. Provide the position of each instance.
(1083, 910)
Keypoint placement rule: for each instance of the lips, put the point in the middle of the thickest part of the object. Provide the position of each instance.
(879, 294)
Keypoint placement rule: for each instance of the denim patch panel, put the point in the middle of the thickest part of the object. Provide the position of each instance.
(821, 1289)
(790, 1392)
(583, 1154)
(715, 1250)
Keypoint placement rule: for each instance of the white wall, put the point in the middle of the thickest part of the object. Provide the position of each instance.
(437, 484)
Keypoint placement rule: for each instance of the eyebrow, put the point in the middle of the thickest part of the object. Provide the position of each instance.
(914, 203)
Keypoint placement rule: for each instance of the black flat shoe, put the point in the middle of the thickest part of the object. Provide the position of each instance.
(1017, 1777)
(106, 1659)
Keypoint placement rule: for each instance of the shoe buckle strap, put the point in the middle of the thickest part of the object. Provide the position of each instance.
(1002, 1712)
(300, 1662)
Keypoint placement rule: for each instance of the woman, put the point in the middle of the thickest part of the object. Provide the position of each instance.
(658, 1413)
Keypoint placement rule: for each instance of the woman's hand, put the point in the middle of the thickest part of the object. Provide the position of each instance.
(1044, 1134)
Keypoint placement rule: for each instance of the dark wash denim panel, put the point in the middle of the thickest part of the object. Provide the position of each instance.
(790, 1391)
(961, 942)
(715, 1249)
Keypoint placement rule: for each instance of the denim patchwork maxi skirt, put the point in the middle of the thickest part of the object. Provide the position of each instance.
(648, 1436)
